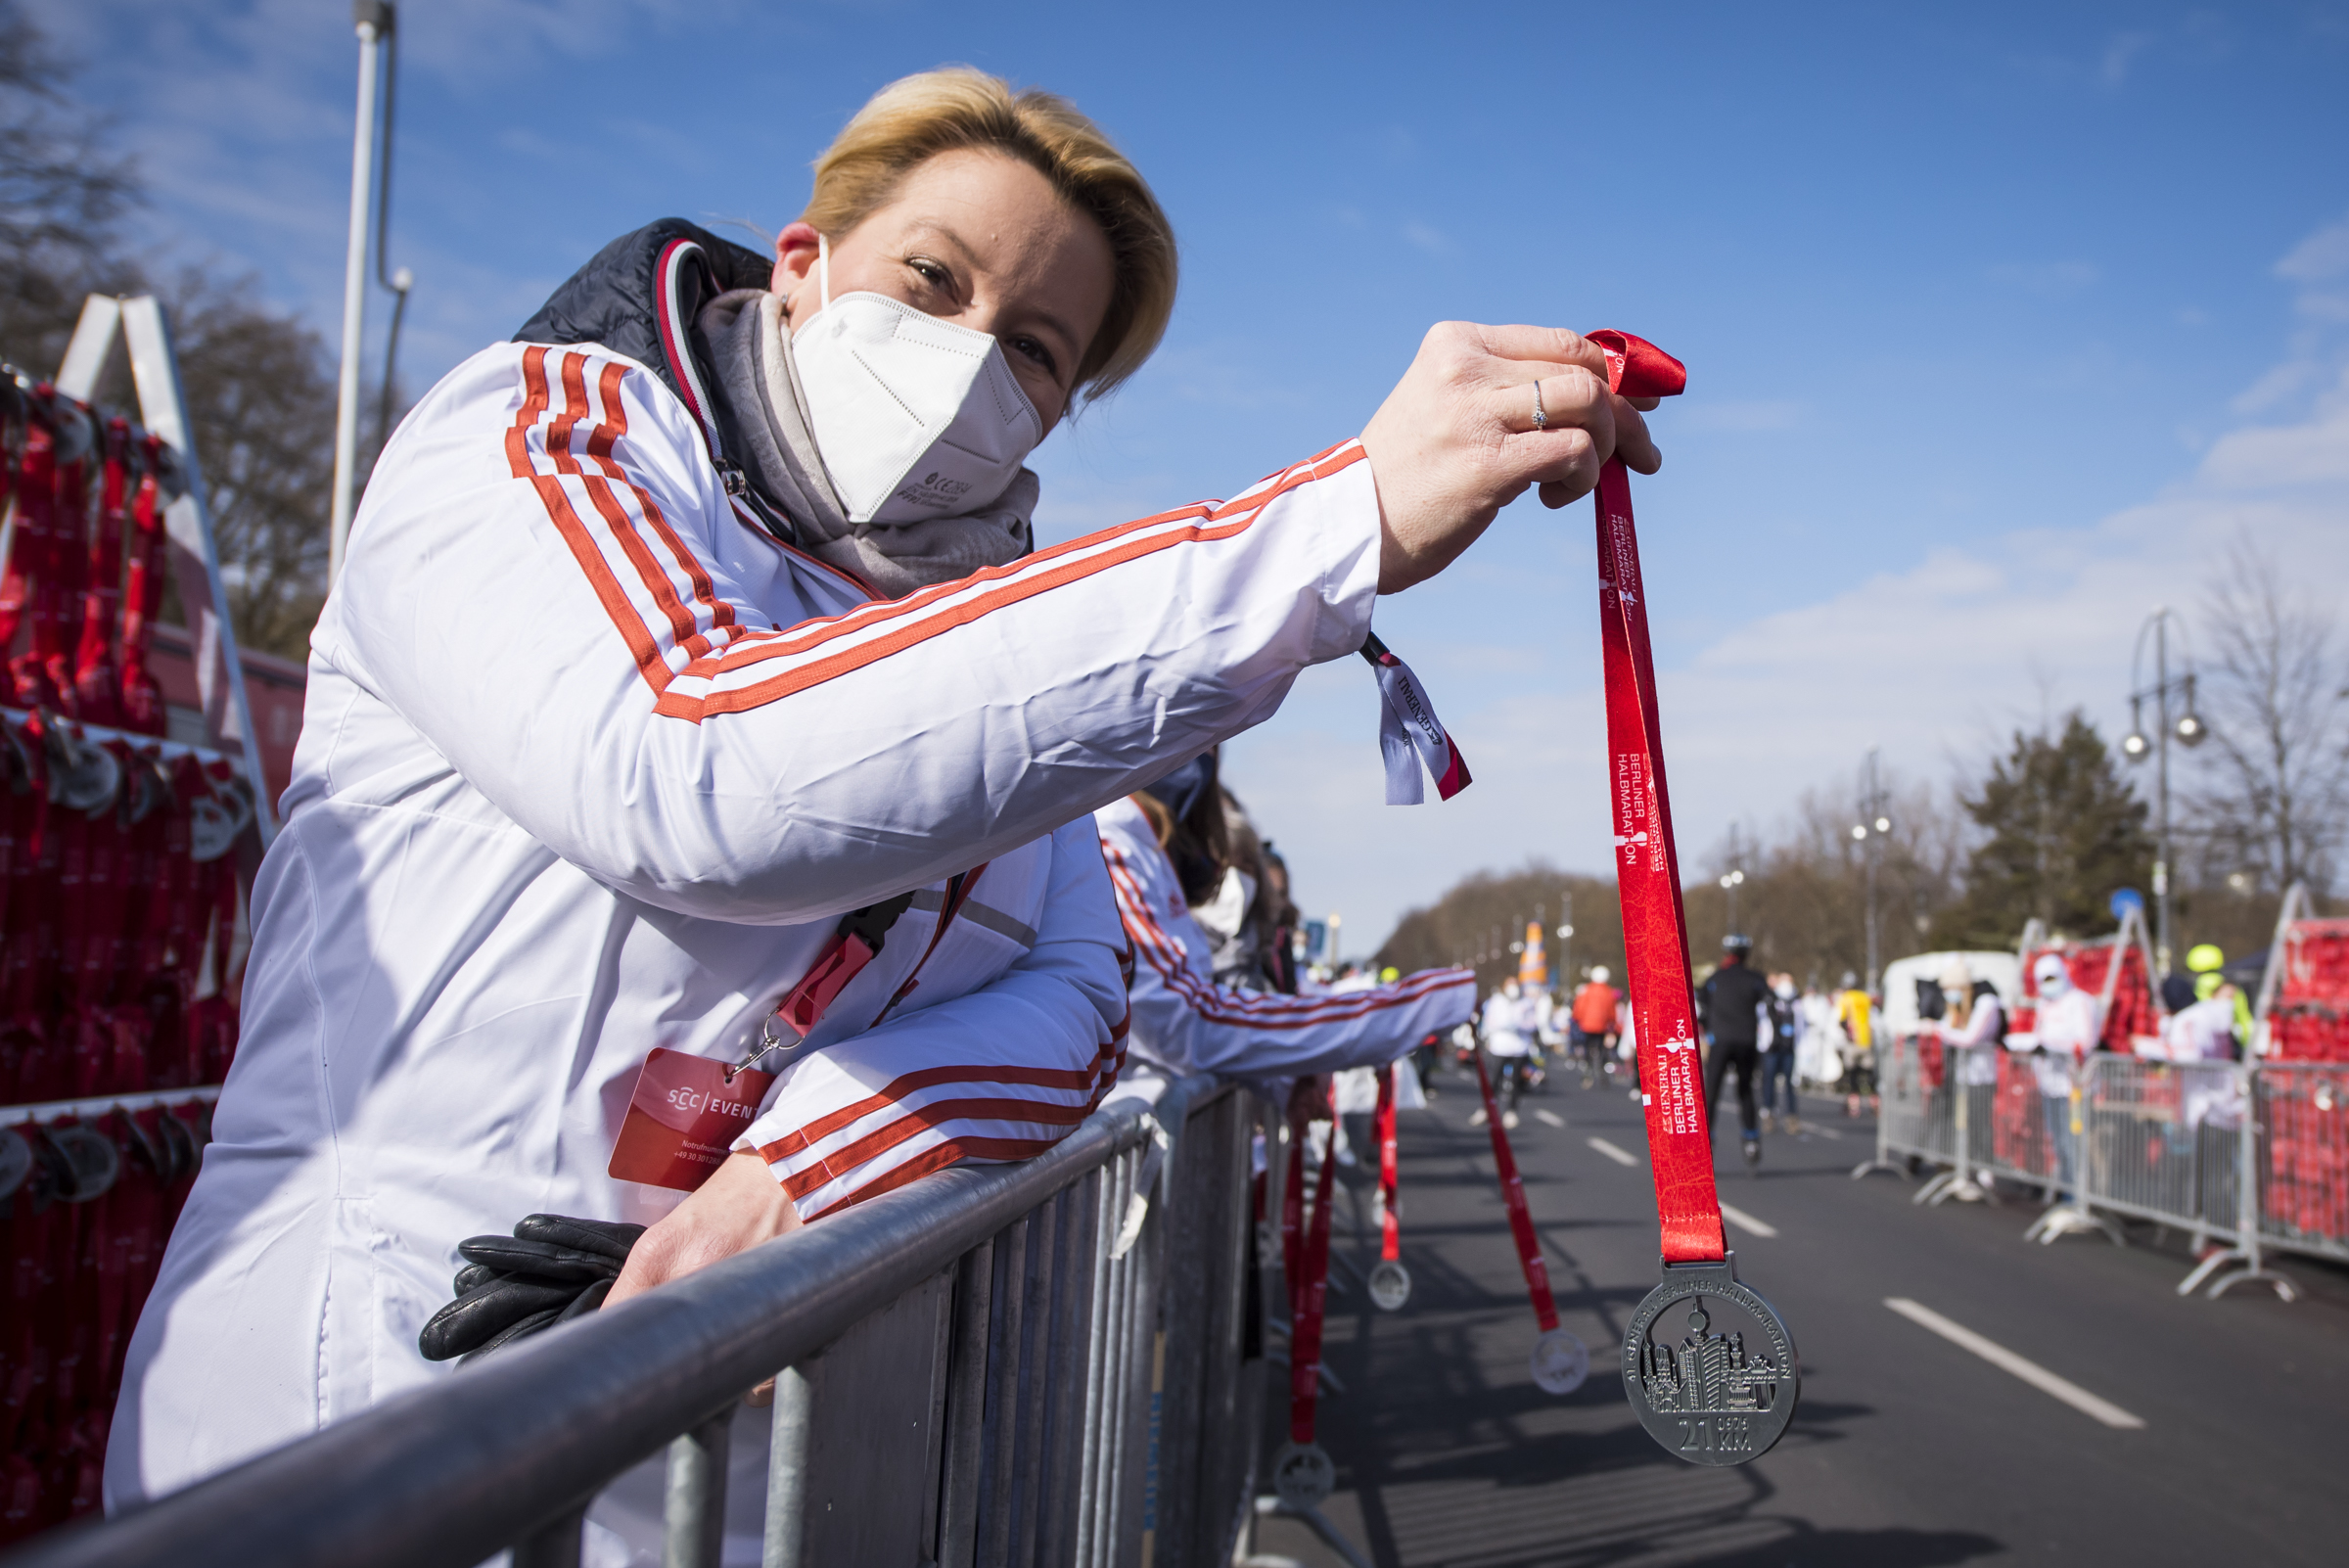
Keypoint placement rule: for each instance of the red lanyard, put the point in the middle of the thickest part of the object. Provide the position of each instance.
(1308, 1282)
(143, 598)
(28, 566)
(1390, 1225)
(94, 674)
(1655, 929)
(1521, 1221)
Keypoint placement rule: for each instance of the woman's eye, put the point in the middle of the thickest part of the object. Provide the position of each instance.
(1038, 354)
(930, 272)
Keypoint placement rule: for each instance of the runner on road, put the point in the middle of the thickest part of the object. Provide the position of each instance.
(1729, 1006)
(1594, 1005)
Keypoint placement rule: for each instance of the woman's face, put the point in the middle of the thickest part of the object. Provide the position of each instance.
(980, 239)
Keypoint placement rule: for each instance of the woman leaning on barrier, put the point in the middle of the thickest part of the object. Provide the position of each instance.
(693, 661)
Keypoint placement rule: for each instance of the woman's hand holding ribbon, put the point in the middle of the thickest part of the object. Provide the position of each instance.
(1459, 439)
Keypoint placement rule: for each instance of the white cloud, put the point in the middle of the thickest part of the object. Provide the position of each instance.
(2120, 53)
(1433, 240)
(2322, 255)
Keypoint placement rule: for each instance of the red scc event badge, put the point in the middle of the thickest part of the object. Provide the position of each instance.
(683, 1119)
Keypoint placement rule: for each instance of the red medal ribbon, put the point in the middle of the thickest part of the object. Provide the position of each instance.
(143, 598)
(1521, 1222)
(1309, 1274)
(1390, 1244)
(1648, 870)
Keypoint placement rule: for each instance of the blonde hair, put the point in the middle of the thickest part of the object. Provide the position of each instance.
(917, 117)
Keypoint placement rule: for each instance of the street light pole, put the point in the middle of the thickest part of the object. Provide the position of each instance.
(374, 20)
(2190, 730)
(1869, 833)
(1733, 878)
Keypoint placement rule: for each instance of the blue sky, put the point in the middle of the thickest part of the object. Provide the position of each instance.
(2000, 320)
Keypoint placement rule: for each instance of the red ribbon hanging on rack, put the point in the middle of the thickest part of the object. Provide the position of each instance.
(143, 597)
(57, 593)
(1309, 1274)
(1382, 1125)
(96, 695)
(1648, 870)
(28, 565)
(1521, 1220)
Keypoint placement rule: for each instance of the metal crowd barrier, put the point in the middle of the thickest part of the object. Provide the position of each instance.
(2252, 1155)
(1035, 1363)
(2302, 1112)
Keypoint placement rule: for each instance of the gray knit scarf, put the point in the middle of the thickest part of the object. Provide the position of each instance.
(763, 421)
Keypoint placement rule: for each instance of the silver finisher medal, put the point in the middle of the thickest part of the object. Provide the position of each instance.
(1560, 1362)
(1708, 1366)
(1390, 1285)
(1303, 1476)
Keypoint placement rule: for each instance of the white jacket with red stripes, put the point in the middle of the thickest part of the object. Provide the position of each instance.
(589, 764)
(1183, 1022)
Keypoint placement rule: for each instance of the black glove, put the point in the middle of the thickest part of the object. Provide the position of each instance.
(550, 1270)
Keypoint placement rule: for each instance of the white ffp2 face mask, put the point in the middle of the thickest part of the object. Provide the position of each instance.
(915, 418)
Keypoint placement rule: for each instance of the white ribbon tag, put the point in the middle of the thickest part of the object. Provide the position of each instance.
(1409, 734)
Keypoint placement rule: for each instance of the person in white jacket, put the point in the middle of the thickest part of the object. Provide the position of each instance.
(666, 652)
(2065, 1030)
(1185, 1023)
(1508, 1025)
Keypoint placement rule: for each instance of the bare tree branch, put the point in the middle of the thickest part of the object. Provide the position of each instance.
(2274, 786)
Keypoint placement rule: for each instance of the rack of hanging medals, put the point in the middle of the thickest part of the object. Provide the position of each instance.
(125, 854)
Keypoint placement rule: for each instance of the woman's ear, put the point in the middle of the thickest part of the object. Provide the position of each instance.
(795, 259)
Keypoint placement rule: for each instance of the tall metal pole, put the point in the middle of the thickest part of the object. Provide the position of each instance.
(2161, 846)
(2187, 728)
(1871, 831)
(373, 20)
(1566, 938)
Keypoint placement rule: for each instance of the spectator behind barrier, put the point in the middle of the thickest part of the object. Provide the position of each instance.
(1166, 841)
(693, 683)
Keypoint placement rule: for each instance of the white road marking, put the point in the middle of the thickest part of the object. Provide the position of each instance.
(1613, 1153)
(1746, 1221)
(1549, 1118)
(2006, 1360)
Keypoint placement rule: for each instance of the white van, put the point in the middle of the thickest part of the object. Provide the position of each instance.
(1899, 1017)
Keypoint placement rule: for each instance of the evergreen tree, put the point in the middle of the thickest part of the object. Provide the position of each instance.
(2065, 833)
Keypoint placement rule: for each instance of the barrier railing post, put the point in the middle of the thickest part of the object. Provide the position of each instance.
(966, 1403)
(787, 1470)
(2246, 1250)
(555, 1544)
(1959, 1181)
(694, 1505)
(1887, 1078)
(2072, 1214)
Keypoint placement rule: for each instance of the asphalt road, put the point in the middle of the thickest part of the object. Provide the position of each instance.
(1909, 1450)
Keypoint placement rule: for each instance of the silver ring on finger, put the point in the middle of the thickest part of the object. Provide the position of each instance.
(1541, 420)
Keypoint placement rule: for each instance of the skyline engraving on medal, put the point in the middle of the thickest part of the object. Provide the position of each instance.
(1709, 1388)
(1707, 1372)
